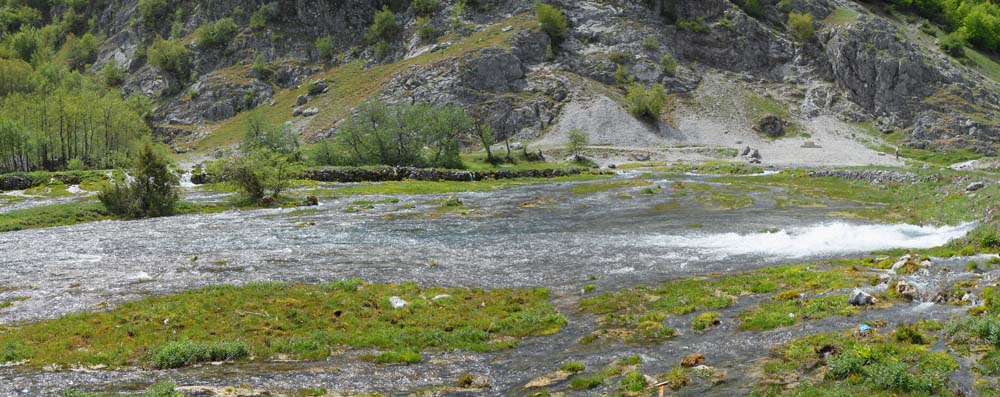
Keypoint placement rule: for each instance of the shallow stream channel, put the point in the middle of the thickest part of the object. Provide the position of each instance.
(555, 235)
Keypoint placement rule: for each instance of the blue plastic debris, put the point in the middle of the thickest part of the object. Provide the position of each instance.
(864, 328)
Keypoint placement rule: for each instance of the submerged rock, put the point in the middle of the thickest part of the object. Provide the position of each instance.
(861, 298)
(907, 291)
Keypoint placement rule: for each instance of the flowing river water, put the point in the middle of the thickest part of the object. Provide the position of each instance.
(529, 236)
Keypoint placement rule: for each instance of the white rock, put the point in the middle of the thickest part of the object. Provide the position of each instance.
(398, 302)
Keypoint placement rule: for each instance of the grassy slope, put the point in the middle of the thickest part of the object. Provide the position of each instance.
(351, 84)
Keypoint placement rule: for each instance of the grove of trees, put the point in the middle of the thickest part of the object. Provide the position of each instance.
(977, 21)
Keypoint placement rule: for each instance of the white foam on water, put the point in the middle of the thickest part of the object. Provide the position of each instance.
(821, 239)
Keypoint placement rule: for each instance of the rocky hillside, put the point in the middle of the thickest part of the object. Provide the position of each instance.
(867, 79)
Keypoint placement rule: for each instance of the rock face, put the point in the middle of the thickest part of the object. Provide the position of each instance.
(216, 99)
(885, 75)
(493, 70)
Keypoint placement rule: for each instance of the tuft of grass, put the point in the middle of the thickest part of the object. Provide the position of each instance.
(268, 319)
(705, 321)
(573, 366)
(634, 382)
(399, 357)
(185, 353)
(587, 382)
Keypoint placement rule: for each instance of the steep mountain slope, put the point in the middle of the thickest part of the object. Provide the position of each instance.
(863, 71)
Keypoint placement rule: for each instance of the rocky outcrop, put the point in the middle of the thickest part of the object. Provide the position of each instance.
(874, 176)
(886, 76)
(493, 70)
(386, 174)
(15, 182)
(216, 99)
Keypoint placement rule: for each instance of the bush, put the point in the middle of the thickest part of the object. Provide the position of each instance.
(151, 191)
(153, 12)
(263, 15)
(645, 102)
(384, 28)
(324, 45)
(953, 44)
(257, 175)
(425, 30)
(552, 21)
(262, 68)
(651, 43)
(185, 353)
(425, 8)
(262, 134)
(113, 74)
(801, 26)
(752, 8)
(668, 64)
(78, 53)
(171, 57)
(576, 141)
(990, 240)
(216, 34)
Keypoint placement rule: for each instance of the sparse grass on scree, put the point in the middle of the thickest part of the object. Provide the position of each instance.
(351, 84)
(266, 319)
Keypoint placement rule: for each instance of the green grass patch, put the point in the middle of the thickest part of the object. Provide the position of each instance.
(852, 364)
(786, 313)
(841, 16)
(53, 215)
(942, 200)
(632, 311)
(704, 321)
(270, 319)
(985, 64)
(718, 197)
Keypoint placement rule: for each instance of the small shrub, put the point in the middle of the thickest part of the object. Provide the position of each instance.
(170, 56)
(324, 45)
(425, 30)
(572, 366)
(113, 74)
(150, 194)
(185, 353)
(645, 102)
(651, 43)
(263, 15)
(696, 25)
(576, 140)
(801, 26)
(552, 21)
(634, 382)
(262, 68)
(991, 240)
(752, 8)
(668, 64)
(75, 164)
(953, 44)
(382, 50)
(384, 28)
(216, 34)
(910, 334)
(622, 76)
(425, 8)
